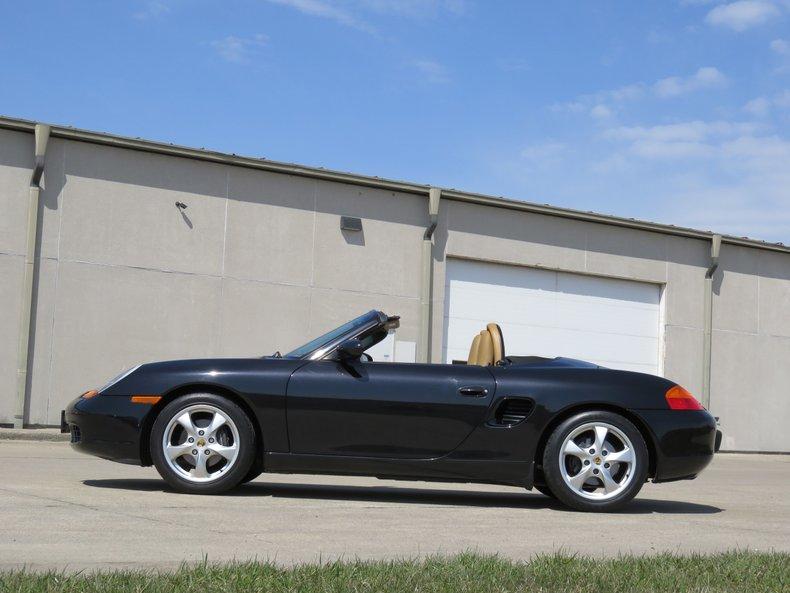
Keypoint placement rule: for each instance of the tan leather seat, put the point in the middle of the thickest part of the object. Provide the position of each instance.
(499, 341)
(472, 359)
(488, 347)
(485, 353)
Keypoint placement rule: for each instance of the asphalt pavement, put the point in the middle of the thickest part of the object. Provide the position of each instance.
(64, 510)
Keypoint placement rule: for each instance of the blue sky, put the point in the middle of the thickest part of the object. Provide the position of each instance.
(676, 111)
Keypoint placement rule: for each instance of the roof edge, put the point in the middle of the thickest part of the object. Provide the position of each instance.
(81, 135)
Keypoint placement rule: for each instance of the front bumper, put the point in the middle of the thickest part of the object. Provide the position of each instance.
(107, 426)
(684, 442)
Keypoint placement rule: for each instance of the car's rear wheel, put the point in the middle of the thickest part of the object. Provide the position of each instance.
(202, 443)
(595, 461)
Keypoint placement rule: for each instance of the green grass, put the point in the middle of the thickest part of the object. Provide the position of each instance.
(734, 571)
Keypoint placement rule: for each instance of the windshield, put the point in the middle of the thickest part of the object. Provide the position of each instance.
(330, 336)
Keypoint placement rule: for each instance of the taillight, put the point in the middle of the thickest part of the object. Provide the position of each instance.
(89, 394)
(680, 399)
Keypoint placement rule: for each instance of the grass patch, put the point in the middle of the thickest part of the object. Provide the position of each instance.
(750, 572)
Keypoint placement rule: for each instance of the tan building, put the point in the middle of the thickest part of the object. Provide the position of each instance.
(266, 255)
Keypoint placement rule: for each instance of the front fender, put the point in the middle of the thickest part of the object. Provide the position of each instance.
(259, 383)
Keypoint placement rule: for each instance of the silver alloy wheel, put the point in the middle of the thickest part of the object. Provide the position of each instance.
(597, 461)
(201, 443)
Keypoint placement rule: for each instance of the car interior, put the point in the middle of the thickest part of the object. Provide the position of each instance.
(488, 347)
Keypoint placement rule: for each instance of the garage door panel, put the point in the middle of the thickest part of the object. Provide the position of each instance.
(514, 307)
(580, 287)
(548, 341)
(607, 318)
(502, 278)
(607, 321)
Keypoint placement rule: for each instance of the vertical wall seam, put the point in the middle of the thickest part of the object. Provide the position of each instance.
(586, 247)
(312, 260)
(62, 198)
(426, 277)
(758, 291)
(25, 326)
(707, 347)
(221, 303)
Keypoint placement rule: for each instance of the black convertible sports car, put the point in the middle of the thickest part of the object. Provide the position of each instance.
(586, 435)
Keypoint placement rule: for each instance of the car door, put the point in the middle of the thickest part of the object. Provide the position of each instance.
(388, 410)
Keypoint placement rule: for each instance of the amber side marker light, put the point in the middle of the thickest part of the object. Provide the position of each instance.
(680, 399)
(146, 399)
(89, 394)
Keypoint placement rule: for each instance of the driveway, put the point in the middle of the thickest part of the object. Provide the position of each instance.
(62, 510)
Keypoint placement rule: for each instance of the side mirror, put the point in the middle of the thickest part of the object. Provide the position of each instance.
(350, 349)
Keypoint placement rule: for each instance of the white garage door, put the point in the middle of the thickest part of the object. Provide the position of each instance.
(614, 323)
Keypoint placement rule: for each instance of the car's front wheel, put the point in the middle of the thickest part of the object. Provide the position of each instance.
(595, 461)
(202, 443)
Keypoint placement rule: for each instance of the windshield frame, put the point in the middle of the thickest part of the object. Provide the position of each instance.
(325, 343)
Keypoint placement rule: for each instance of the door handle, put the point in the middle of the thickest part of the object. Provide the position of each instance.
(473, 391)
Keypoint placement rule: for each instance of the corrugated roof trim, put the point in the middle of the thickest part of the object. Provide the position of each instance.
(376, 182)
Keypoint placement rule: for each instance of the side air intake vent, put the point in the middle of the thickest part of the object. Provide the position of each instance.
(513, 411)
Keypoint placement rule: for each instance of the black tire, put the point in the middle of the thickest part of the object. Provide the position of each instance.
(255, 471)
(246, 445)
(544, 490)
(553, 472)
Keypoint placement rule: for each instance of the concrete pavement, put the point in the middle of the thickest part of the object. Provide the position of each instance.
(62, 510)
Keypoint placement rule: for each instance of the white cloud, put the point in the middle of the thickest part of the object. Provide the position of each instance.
(601, 112)
(742, 15)
(781, 47)
(696, 130)
(607, 103)
(432, 71)
(762, 106)
(608, 99)
(415, 8)
(326, 9)
(705, 78)
(759, 107)
(238, 49)
(513, 64)
(152, 9)
(730, 176)
(544, 154)
(782, 100)
(346, 12)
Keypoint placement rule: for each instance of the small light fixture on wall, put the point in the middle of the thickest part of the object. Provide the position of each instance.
(350, 223)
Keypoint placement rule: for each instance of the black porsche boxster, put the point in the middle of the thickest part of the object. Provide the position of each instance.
(586, 435)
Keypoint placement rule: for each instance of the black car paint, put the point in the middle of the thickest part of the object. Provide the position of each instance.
(391, 410)
(338, 417)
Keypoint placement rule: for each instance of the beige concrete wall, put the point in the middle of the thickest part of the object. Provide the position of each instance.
(751, 340)
(750, 358)
(257, 262)
(16, 164)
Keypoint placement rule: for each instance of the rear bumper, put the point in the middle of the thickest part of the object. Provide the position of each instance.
(684, 442)
(109, 427)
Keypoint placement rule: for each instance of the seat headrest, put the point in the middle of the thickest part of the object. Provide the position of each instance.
(485, 353)
(488, 347)
(499, 341)
(472, 359)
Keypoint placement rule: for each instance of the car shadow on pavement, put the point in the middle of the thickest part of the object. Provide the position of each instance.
(384, 494)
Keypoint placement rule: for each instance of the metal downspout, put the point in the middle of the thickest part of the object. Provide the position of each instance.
(423, 344)
(34, 194)
(715, 248)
